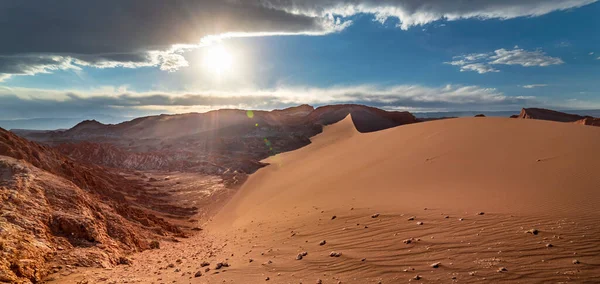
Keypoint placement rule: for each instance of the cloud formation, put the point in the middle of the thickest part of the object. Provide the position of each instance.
(483, 62)
(29, 103)
(142, 33)
(534, 86)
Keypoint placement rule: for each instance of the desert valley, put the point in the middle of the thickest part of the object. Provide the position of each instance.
(336, 194)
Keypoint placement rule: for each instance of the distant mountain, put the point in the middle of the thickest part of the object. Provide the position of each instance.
(215, 142)
(52, 123)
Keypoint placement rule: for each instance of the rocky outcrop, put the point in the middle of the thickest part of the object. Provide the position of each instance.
(546, 114)
(589, 121)
(552, 115)
(55, 209)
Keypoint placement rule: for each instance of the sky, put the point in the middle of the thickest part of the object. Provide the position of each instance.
(129, 58)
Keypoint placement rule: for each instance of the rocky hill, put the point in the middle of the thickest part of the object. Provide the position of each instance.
(547, 114)
(57, 210)
(216, 142)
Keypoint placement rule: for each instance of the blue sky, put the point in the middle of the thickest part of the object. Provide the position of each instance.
(499, 55)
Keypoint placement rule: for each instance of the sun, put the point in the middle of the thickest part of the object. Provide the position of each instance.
(218, 60)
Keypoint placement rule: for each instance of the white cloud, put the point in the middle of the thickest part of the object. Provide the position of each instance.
(28, 102)
(482, 62)
(534, 86)
(478, 67)
(523, 58)
(412, 13)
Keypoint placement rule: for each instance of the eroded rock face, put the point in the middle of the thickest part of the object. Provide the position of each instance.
(547, 114)
(55, 210)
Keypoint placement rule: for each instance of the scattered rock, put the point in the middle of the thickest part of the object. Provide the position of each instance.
(218, 265)
(435, 265)
(333, 217)
(575, 261)
(417, 277)
(375, 215)
(170, 265)
(198, 274)
(411, 218)
(549, 245)
(481, 213)
(154, 245)
(124, 261)
(267, 278)
(204, 264)
(299, 256)
(250, 260)
(407, 241)
(319, 281)
(502, 269)
(419, 223)
(322, 243)
(335, 254)
(461, 219)
(532, 231)
(446, 217)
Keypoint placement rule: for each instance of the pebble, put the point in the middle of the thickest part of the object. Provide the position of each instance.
(322, 243)
(267, 278)
(375, 215)
(417, 277)
(419, 223)
(575, 261)
(435, 265)
(407, 241)
(198, 274)
(532, 231)
(549, 245)
(480, 213)
(502, 269)
(333, 217)
(411, 218)
(335, 254)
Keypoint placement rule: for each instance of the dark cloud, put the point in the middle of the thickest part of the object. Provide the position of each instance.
(124, 33)
(131, 26)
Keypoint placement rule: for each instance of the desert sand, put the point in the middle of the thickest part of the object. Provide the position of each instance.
(481, 200)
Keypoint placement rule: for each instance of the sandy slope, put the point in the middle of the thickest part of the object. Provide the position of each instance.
(520, 174)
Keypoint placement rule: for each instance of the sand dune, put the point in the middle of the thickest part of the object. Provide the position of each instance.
(492, 164)
(522, 174)
(470, 200)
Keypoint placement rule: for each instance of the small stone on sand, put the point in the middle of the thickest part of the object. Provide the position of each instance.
(333, 217)
(375, 215)
(532, 231)
(575, 261)
(322, 243)
(435, 265)
(335, 254)
(502, 269)
(198, 274)
(419, 223)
